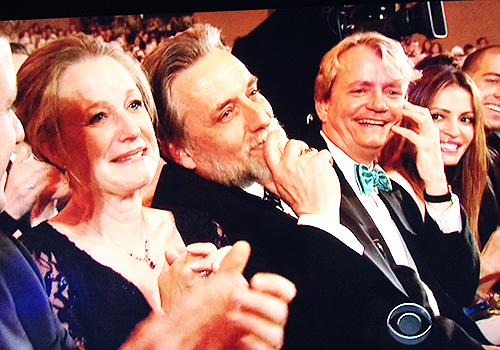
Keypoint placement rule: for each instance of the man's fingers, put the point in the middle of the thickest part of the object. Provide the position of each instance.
(274, 285)
(326, 155)
(272, 150)
(295, 148)
(236, 259)
(252, 342)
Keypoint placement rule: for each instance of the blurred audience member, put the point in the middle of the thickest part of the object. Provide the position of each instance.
(482, 42)
(436, 49)
(426, 47)
(458, 53)
(468, 49)
(415, 52)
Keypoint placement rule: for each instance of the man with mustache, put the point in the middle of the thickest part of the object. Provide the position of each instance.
(212, 123)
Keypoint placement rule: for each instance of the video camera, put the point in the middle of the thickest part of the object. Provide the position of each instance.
(395, 20)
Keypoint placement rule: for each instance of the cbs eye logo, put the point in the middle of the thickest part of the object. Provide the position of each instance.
(409, 323)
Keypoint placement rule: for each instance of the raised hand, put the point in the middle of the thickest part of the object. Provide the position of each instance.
(425, 137)
(32, 185)
(303, 177)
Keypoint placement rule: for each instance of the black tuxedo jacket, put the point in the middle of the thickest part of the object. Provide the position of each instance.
(343, 298)
(493, 141)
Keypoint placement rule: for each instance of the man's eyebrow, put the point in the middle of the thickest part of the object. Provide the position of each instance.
(253, 80)
(221, 105)
(489, 74)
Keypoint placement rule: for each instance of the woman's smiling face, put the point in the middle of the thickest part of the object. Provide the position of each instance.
(453, 114)
(107, 133)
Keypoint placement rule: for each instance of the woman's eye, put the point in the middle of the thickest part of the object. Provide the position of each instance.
(136, 104)
(437, 116)
(468, 120)
(96, 118)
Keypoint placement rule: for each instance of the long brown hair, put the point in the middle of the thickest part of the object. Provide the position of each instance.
(400, 154)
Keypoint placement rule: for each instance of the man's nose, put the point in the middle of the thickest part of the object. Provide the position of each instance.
(258, 115)
(377, 102)
(496, 93)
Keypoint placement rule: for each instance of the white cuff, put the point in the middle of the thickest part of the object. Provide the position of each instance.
(334, 228)
(449, 221)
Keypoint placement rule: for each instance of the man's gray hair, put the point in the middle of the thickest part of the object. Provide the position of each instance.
(164, 64)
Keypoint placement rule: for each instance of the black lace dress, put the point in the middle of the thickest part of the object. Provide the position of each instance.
(99, 306)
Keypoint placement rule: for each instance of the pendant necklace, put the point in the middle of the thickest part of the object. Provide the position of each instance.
(147, 257)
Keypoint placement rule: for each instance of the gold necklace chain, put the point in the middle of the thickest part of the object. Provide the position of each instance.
(146, 258)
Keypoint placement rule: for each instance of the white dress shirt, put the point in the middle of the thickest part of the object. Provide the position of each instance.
(324, 223)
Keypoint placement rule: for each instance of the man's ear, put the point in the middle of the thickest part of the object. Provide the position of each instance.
(322, 110)
(181, 156)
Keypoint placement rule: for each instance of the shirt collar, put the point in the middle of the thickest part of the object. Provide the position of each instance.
(255, 189)
(344, 162)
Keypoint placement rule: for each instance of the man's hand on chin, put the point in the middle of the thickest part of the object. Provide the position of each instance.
(303, 177)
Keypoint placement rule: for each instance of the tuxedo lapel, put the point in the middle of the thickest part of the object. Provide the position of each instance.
(394, 202)
(355, 217)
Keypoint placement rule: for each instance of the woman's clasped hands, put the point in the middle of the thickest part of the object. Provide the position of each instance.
(209, 292)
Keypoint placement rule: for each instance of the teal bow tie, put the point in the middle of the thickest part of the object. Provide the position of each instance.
(367, 179)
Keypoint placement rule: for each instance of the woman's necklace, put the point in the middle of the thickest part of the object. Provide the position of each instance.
(146, 258)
